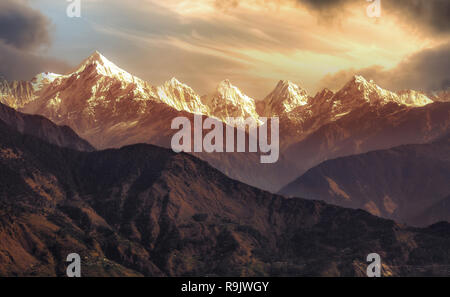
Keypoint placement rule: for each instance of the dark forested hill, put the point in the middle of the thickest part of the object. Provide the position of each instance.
(143, 210)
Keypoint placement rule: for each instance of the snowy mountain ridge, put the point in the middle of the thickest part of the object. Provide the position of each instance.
(106, 82)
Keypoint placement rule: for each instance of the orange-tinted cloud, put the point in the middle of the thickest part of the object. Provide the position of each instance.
(427, 70)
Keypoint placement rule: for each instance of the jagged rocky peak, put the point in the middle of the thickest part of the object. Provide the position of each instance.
(102, 66)
(226, 93)
(174, 82)
(413, 98)
(180, 96)
(225, 84)
(229, 101)
(15, 93)
(358, 83)
(358, 88)
(231, 92)
(325, 93)
(284, 98)
(43, 79)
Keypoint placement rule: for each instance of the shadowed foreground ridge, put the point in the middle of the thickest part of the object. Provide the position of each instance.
(143, 210)
(409, 183)
(44, 129)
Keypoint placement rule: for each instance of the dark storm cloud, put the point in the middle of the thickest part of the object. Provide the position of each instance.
(22, 26)
(22, 31)
(428, 70)
(16, 64)
(433, 14)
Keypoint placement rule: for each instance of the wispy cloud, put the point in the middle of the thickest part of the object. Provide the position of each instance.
(255, 42)
(427, 70)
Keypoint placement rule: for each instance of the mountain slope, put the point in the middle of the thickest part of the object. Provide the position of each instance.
(283, 99)
(440, 211)
(143, 210)
(111, 108)
(44, 129)
(398, 183)
(19, 93)
(181, 97)
(369, 128)
(229, 101)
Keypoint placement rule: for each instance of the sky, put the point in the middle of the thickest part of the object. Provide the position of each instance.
(253, 43)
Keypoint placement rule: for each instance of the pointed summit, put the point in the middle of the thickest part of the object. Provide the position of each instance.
(174, 81)
(95, 58)
(357, 82)
(358, 90)
(325, 93)
(284, 98)
(181, 97)
(229, 101)
(96, 55)
(225, 83)
(232, 94)
(359, 79)
(102, 66)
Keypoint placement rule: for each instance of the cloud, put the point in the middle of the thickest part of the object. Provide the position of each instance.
(433, 15)
(22, 26)
(427, 70)
(16, 64)
(23, 31)
(254, 43)
(226, 4)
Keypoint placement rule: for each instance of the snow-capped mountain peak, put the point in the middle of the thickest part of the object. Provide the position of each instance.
(361, 91)
(181, 97)
(105, 67)
(358, 89)
(359, 84)
(232, 93)
(174, 81)
(413, 98)
(284, 98)
(42, 79)
(229, 101)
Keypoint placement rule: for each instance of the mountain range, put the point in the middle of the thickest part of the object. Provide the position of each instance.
(143, 210)
(111, 108)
